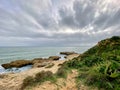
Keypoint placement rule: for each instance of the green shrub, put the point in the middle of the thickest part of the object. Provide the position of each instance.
(41, 76)
(75, 63)
(115, 38)
(104, 75)
(28, 81)
(90, 61)
(61, 72)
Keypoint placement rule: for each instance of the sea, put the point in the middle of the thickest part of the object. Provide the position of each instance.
(8, 54)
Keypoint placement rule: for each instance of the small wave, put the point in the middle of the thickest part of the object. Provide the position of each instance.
(14, 70)
(2, 70)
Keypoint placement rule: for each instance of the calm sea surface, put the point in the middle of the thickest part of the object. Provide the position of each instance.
(8, 54)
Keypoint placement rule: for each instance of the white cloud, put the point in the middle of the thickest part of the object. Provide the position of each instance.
(58, 22)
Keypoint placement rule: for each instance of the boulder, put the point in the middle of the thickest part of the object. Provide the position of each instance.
(65, 56)
(40, 60)
(6, 65)
(17, 64)
(54, 57)
(67, 53)
(37, 61)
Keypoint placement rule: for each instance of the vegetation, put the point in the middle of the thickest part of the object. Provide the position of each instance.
(44, 76)
(100, 65)
(63, 71)
(28, 81)
(38, 79)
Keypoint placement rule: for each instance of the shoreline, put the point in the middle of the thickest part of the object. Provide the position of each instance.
(16, 70)
(12, 54)
(19, 65)
(13, 81)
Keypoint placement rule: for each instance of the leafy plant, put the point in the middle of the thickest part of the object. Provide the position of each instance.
(103, 64)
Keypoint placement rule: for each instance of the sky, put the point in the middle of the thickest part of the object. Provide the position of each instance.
(58, 22)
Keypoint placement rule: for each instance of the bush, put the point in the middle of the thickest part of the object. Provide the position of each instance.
(41, 76)
(27, 82)
(115, 38)
(61, 72)
(75, 63)
(105, 75)
(90, 61)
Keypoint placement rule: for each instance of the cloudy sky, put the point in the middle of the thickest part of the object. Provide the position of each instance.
(58, 22)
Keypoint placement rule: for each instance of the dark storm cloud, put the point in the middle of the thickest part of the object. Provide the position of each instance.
(58, 22)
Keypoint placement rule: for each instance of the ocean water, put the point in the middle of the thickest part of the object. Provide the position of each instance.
(8, 54)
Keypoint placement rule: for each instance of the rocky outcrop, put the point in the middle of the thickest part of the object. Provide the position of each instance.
(54, 57)
(44, 64)
(41, 60)
(17, 64)
(67, 53)
(37, 62)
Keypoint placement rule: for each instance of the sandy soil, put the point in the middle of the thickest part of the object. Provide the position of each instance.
(61, 84)
(13, 81)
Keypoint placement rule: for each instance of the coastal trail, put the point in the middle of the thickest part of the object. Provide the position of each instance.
(62, 84)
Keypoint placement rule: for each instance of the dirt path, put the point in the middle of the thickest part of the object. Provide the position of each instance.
(61, 84)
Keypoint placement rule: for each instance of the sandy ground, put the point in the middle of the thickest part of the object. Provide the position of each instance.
(61, 84)
(13, 81)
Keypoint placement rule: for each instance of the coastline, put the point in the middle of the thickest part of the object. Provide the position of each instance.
(13, 81)
(85, 67)
(29, 53)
